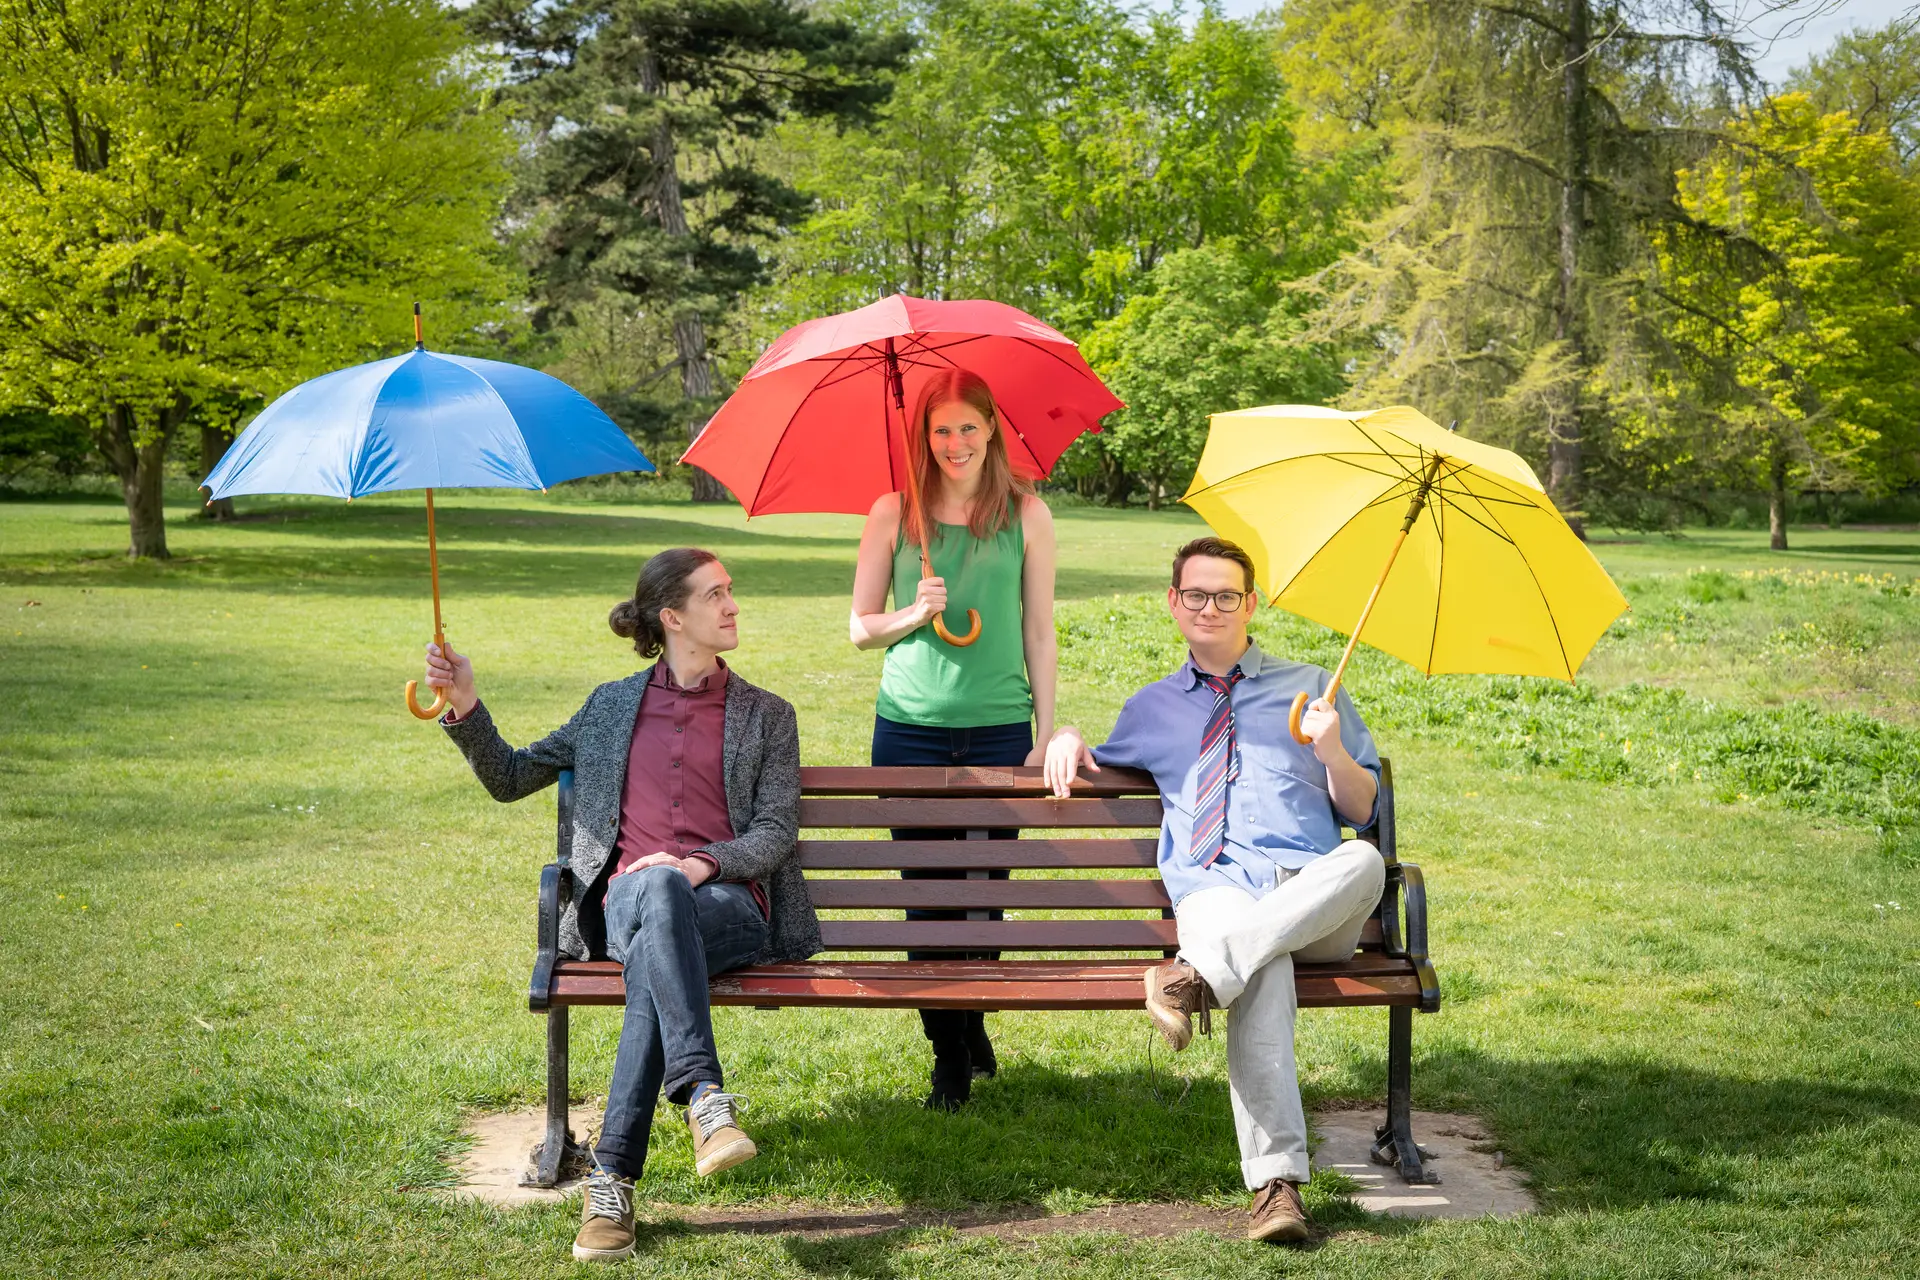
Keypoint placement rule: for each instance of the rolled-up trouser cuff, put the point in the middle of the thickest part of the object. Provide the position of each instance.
(1222, 981)
(1258, 1172)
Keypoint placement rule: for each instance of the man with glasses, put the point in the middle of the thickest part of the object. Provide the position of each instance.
(1251, 851)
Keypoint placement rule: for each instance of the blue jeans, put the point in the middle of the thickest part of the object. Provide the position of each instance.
(1000, 745)
(669, 938)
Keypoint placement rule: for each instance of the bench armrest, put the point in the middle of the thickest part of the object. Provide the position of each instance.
(556, 885)
(1413, 890)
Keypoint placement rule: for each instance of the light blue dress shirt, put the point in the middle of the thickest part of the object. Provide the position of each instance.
(1280, 814)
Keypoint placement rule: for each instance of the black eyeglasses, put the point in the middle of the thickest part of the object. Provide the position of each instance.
(1225, 601)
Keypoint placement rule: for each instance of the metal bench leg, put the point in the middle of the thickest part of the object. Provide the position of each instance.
(1393, 1141)
(548, 1156)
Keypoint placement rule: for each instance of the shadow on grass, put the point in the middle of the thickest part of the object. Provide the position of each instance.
(1903, 550)
(1605, 1133)
(1591, 1132)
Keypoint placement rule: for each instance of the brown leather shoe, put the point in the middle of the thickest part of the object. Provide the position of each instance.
(606, 1219)
(1175, 992)
(1278, 1214)
(718, 1141)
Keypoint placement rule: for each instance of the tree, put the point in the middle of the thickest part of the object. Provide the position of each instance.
(642, 190)
(1212, 333)
(1803, 313)
(1532, 145)
(203, 202)
(1875, 77)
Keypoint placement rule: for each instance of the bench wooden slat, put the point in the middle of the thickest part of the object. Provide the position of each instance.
(952, 984)
(834, 780)
(893, 855)
(965, 894)
(998, 935)
(927, 811)
(1015, 935)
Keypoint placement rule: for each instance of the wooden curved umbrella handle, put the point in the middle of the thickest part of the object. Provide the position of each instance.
(420, 712)
(958, 642)
(1299, 708)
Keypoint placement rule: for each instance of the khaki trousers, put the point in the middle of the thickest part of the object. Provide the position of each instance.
(1245, 948)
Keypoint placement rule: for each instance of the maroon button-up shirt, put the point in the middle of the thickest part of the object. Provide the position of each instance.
(675, 798)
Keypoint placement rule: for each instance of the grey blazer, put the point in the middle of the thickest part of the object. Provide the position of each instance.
(761, 757)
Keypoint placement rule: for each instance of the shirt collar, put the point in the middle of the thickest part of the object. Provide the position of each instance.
(663, 677)
(1250, 664)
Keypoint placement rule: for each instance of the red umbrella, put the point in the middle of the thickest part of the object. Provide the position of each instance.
(817, 424)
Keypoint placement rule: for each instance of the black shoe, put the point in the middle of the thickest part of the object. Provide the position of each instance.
(952, 1083)
(980, 1049)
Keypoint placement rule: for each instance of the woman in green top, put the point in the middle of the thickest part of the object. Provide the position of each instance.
(989, 540)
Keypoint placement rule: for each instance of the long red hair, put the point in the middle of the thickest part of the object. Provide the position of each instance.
(989, 512)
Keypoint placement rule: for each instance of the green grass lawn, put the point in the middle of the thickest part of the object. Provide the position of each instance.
(267, 942)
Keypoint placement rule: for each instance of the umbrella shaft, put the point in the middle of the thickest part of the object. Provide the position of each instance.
(1354, 639)
(1406, 526)
(433, 560)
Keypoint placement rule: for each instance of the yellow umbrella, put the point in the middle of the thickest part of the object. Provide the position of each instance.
(1490, 579)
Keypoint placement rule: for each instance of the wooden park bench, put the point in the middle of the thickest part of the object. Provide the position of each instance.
(1391, 967)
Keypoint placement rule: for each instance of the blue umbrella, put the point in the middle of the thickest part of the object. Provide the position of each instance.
(424, 421)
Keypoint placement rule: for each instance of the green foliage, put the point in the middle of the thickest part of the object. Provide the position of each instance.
(1874, 76)
(207, 203)
(1802, 310)
(1048, 155)
(32, 441)
(1208, 334)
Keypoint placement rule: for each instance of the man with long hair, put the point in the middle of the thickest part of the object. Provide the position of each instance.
(686, 810)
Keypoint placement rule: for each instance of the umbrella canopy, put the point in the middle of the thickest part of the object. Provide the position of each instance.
(814, 425)
(424, 421)
(1488, 578)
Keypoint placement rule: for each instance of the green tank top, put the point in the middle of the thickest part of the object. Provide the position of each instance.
(927, 681)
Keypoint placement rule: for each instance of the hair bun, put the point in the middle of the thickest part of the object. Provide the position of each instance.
(624, 619)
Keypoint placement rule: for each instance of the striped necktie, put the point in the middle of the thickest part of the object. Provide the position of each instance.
(1219, 765)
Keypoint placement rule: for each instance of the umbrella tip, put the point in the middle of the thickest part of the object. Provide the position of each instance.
(1452, 425)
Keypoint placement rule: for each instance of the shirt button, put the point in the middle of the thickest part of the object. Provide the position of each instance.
(676, 728)
(676, 764)
(676, 804)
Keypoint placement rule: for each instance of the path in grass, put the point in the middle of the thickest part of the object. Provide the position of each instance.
(268, 940)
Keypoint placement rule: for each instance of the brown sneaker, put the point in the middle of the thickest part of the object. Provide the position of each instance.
(606, 1219)
(718, 1142)
(1278, 1214)
(1175, 992)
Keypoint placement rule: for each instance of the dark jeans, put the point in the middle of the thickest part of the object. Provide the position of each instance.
(669, 937)
(1001, 745)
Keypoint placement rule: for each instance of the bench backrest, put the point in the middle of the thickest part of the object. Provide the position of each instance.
(1067, 841)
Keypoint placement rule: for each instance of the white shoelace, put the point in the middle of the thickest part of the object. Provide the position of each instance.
(715, 1111)
(608, 1196)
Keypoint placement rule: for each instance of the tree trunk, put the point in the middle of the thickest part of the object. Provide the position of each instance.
(213, 447)
(689, 330)
(1565, 470)
(1115, 482)
(140, 466)
(1777, 495)
(696, 381)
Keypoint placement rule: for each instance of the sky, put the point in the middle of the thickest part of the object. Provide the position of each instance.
(1785, 34)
